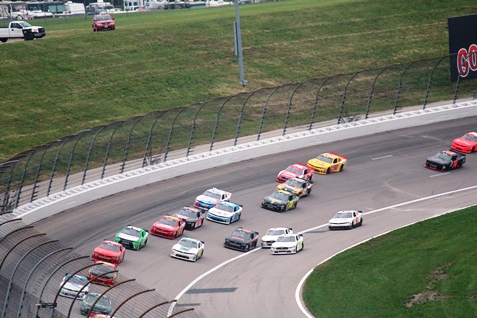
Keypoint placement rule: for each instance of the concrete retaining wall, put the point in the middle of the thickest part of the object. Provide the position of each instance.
(77, 196)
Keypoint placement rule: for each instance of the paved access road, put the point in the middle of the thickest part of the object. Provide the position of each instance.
(384, 170)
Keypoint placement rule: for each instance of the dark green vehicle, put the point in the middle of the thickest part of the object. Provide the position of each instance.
(102, 306)
(132, 237)
(280, 201)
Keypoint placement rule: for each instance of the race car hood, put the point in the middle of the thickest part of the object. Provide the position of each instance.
(271, 200)
(463, 142)
(220, 212)
(165, 226)
(437, 160)
(270, 237)
(188, 219)
(288, 188)
(236, 238)
(318, 163)
(74, 286)
(182, 248)
(284, 244)
(341, 220)
(106, 252)
(287, 174)
(128, 237)
(207, 200)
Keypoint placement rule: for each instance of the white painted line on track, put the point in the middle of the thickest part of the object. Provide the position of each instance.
(438, 175)
(302, 281)
(171, 308)
(383, 157)
(300, 284)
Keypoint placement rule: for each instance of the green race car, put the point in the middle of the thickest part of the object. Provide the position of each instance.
(280, 201)
(132, 237)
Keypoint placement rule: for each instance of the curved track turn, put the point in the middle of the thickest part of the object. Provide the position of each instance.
(384, 170)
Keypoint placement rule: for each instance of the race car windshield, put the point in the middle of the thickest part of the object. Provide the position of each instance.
(443, 155)
(286, 239)
(275, 232)
(188, 243)
(188, 213)
(293, 170)
(225, 207)
(131, 231)
(293, 183)
(211, 194)
(342, 215)
(280, 196)
(323, 158)
(101, 269)
(168, 222)
(241, 234)
(110, 247)
(469, 137)
(78, 281)
(102, 302)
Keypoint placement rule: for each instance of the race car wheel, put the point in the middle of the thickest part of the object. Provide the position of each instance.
(361, 222)
(475, 149)
(195, 258)
(145, 243)
(328, 171)
(351, 226)
(247, 247)
(302, 246)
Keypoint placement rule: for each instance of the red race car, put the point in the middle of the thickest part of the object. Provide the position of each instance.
(103, 274)
(466, 143)
(297, 170)
(109, 251)
(169, 227)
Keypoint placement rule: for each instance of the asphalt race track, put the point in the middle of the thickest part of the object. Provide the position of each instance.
(384, 170)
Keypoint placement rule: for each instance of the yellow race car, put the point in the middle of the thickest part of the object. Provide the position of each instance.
(328, 162)
(297, 186)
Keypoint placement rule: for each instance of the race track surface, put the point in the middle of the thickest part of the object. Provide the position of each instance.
(384, 170)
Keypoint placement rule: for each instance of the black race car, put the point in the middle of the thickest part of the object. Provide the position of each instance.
(281, 201)
(242, 239)
(193, 215)
(445, 160)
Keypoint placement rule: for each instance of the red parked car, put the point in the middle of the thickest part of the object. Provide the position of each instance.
(297, 170)
(466, 143)
(168, 227)
(103, 274)
(109, 251)
(103, 22)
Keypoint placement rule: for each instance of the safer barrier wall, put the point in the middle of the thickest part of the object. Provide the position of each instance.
(91, 191)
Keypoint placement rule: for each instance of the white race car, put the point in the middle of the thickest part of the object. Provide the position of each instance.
(188, 249)
(347, 219)
(288, 244)
(74, 284)
(212, 197)
(272, 234)
(225, 212)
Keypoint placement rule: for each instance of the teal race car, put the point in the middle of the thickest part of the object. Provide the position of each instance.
(132, 237)
(280, 201)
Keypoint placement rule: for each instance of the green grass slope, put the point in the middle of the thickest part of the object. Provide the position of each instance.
(424, 270)
(74, 79)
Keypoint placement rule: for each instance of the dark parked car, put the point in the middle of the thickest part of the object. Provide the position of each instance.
(242, 239)
(445, 160)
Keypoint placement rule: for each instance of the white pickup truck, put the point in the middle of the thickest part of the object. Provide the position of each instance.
(21, 30)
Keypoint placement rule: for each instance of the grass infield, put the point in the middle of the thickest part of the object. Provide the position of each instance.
(424, 270)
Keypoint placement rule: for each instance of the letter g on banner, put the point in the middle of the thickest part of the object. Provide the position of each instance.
(467, 60)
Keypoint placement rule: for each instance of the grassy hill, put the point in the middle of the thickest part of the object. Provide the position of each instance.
(74, 79)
